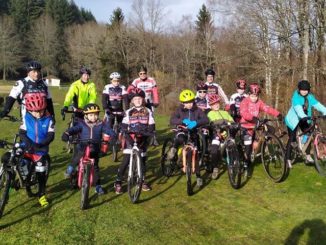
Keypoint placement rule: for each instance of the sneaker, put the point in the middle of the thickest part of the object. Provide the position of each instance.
(171, 153)
(309, 159)
(69, 171)
(117, 188)
(199, 182)
(155, 142)
(216, 172)
(289, 163)
(146, 187)
(42, 200)
(99, 190)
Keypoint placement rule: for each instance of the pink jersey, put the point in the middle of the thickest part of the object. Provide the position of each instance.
(148, 86)
(249, 110)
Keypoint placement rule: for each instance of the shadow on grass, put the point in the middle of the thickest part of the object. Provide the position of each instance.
(316, 229)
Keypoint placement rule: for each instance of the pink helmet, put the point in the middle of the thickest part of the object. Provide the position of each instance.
(201, 86)
(35, 101)
(213, 99)
(241, 84)
(254, 89)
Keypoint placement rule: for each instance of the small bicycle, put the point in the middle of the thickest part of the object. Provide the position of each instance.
(116, 144)
(18, 170)
(71, 143)
(316, 140)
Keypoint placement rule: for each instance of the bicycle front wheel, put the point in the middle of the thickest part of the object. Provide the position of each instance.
(5, 179)
(272, 156)
(85, 187)
(188, 171)
(320, 154)
(135, 176)
(234, 165)
(32, 185)
(167, 165)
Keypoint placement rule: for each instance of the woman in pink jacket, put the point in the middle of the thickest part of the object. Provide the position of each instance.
(250, 107)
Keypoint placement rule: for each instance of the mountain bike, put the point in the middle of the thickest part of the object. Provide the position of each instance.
(18, 170)
(116, 144)
(71, 143)
(316, 141)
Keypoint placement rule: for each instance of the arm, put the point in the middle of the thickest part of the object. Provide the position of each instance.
(156, 100)
(49, 137)
(223, 95)
(13, 95)
(317, 105)
(176, 118)
(70, 95)
(92, 93)
(49, 106)
(269, 110)
(74, 130)
(105, 99)
(202, 118)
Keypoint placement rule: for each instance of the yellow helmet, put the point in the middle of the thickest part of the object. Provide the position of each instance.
(186, 95)
(91, 108)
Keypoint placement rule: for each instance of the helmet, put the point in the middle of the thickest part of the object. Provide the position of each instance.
(84, 70)
(201, 86)
(33, 65)
(241, 83)
(254, 89)
(142, 68)
(35, 101)
(91, 108)
(210, 71)
(115, 75)
(213, 99)
(136, 92)
(186, 95)
(304, 85)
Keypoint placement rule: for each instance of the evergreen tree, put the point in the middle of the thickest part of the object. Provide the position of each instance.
(87, 15)
(116, 18)
(4, 7)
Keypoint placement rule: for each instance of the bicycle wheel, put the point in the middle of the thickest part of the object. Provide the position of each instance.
(272, 156)
(32, 185)
(115, 147)
(189, 172)
(234, 164)
(320, 154)
(167, 165)
(203, 150)
(135, 176)
(5, 180)
(85, 187)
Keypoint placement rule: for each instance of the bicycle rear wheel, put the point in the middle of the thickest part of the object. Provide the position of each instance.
(115, 146)
(234, 164)
(5, 180)
(85, 187)
(320, 154)
(188, 171)
(167, 165)
(135, 176)
(272, 156)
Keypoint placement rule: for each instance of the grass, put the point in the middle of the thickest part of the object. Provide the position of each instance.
(261, 212)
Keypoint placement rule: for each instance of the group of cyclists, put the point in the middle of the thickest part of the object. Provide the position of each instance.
(133, 108)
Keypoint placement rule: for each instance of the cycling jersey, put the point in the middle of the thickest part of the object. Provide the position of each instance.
(194, 114)
(202, 103)
(235, 101)
(138, 120)
(114, 98)
(80, 94)
(149, 87)
(214, 88)
(219, 116)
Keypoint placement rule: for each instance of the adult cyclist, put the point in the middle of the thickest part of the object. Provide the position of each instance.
(214, 88)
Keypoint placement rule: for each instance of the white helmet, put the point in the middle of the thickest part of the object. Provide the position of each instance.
(115, 75)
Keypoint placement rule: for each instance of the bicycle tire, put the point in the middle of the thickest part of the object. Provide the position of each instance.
(203, 150)
(168, 166)
(32, 185)
(85, 187)
(188, 171)
(320, 154)
(115, 148)
(272, 157)
(135, 176)
(5, 180)
(234, 164)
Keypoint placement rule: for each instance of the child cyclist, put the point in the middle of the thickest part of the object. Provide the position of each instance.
(36, 133)
(250, 108)
(299, 114)
(201, 98)
(114, 99)
(189, 115)
(138, 120)
(236, 99)
(91, 128)
(216, 117)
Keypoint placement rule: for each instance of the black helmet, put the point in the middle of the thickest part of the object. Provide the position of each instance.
(142, 68)
(210, 71)
(84, 70)
(304, 85)
(91, 108)
(136, 92)
(33, 65)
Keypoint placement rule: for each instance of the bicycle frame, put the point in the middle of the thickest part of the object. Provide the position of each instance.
(134, 148)
(85, 160)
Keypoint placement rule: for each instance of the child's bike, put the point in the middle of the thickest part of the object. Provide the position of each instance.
(71, 143)
(18, 170)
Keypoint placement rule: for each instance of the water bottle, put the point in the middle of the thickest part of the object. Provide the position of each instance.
(304, 138)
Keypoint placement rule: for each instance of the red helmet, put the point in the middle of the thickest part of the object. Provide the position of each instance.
(136, 92)
(241, 84)
(201, 86)
(213, 99)
(35, 101)
(254, 89)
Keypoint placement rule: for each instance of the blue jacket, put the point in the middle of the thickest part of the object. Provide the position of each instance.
(296, 111)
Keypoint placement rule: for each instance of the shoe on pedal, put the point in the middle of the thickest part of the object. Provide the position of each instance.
(69, 171)
(309, 159)
(99, 190)
(171, 153)
(199, 182)
(146, 187)
(216, 172)
(42, 200)
(117, 188)
(289, 163)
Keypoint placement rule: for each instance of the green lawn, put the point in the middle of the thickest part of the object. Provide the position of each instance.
(261, 212)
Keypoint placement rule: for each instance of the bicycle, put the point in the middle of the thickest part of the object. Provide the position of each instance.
(16, 162)
(271, 150)
(71, 143)
(318, 141)
(116, 144)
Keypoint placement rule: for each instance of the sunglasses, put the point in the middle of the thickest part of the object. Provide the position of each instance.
(142, 73)
(202, 91)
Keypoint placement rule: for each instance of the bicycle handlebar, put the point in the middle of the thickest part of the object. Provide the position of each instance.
(10, 118)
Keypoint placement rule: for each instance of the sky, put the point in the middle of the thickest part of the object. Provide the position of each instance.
(175, 9)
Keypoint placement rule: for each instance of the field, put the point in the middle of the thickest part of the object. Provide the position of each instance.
(261, 212)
